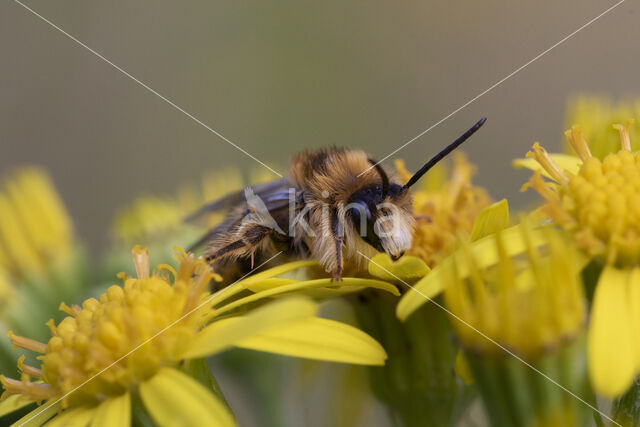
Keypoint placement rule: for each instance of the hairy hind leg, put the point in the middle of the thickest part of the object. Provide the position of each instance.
(242, 243)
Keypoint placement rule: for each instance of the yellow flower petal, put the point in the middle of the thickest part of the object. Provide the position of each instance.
(611, 356)
(301, 287)
(564, 161)
(271, 283)
(173, 398)
(326, 293)
(408, 268)
(13, 403)
(38, 416)
(491, 219)
(321, 288)
(320, 339)
(115, 411)
(221, 334)
(277, 271)
(226, 293)
(634, 307)
(77, 417)
(484, 253)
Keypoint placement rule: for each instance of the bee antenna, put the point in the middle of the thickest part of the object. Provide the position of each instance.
(441, 155)
(383, 177)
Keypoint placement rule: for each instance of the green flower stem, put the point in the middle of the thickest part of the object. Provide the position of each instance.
(418, 383)
(256, 373)
(139, 415)
(514, 394)
(491, 388)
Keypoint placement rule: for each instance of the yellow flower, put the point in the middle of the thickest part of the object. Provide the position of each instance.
(529, 306)
(37, 248)
(491, 219)
(599, 203)
(514, 292)
(594, 114)
(35, 229)
(132, 340)
(444, 210)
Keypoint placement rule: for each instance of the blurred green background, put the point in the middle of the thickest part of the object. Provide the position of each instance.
(276, 77)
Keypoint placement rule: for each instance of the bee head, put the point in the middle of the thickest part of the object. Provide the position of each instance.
(382, 216)
(383, 212)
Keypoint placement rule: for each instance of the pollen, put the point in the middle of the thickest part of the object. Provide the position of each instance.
(105, 331)
(600, 204)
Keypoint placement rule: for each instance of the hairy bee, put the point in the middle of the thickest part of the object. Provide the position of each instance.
(337, 206)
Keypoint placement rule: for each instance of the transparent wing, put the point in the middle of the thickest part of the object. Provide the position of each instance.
(235, 199)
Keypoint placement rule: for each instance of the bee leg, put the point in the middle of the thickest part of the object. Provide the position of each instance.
(248, 239)
(337, 274)
(338, 238)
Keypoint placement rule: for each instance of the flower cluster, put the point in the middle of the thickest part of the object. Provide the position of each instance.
(132, 340)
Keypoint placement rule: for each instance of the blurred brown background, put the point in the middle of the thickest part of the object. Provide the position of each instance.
(276, 77)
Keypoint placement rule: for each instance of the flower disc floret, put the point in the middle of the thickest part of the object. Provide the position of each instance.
(138, 328)
(600, 203)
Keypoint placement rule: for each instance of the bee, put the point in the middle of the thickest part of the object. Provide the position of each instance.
(336, 206)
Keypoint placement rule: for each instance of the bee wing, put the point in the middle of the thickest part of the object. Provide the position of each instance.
(279, 204)
(231, 200)
(274, 198)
